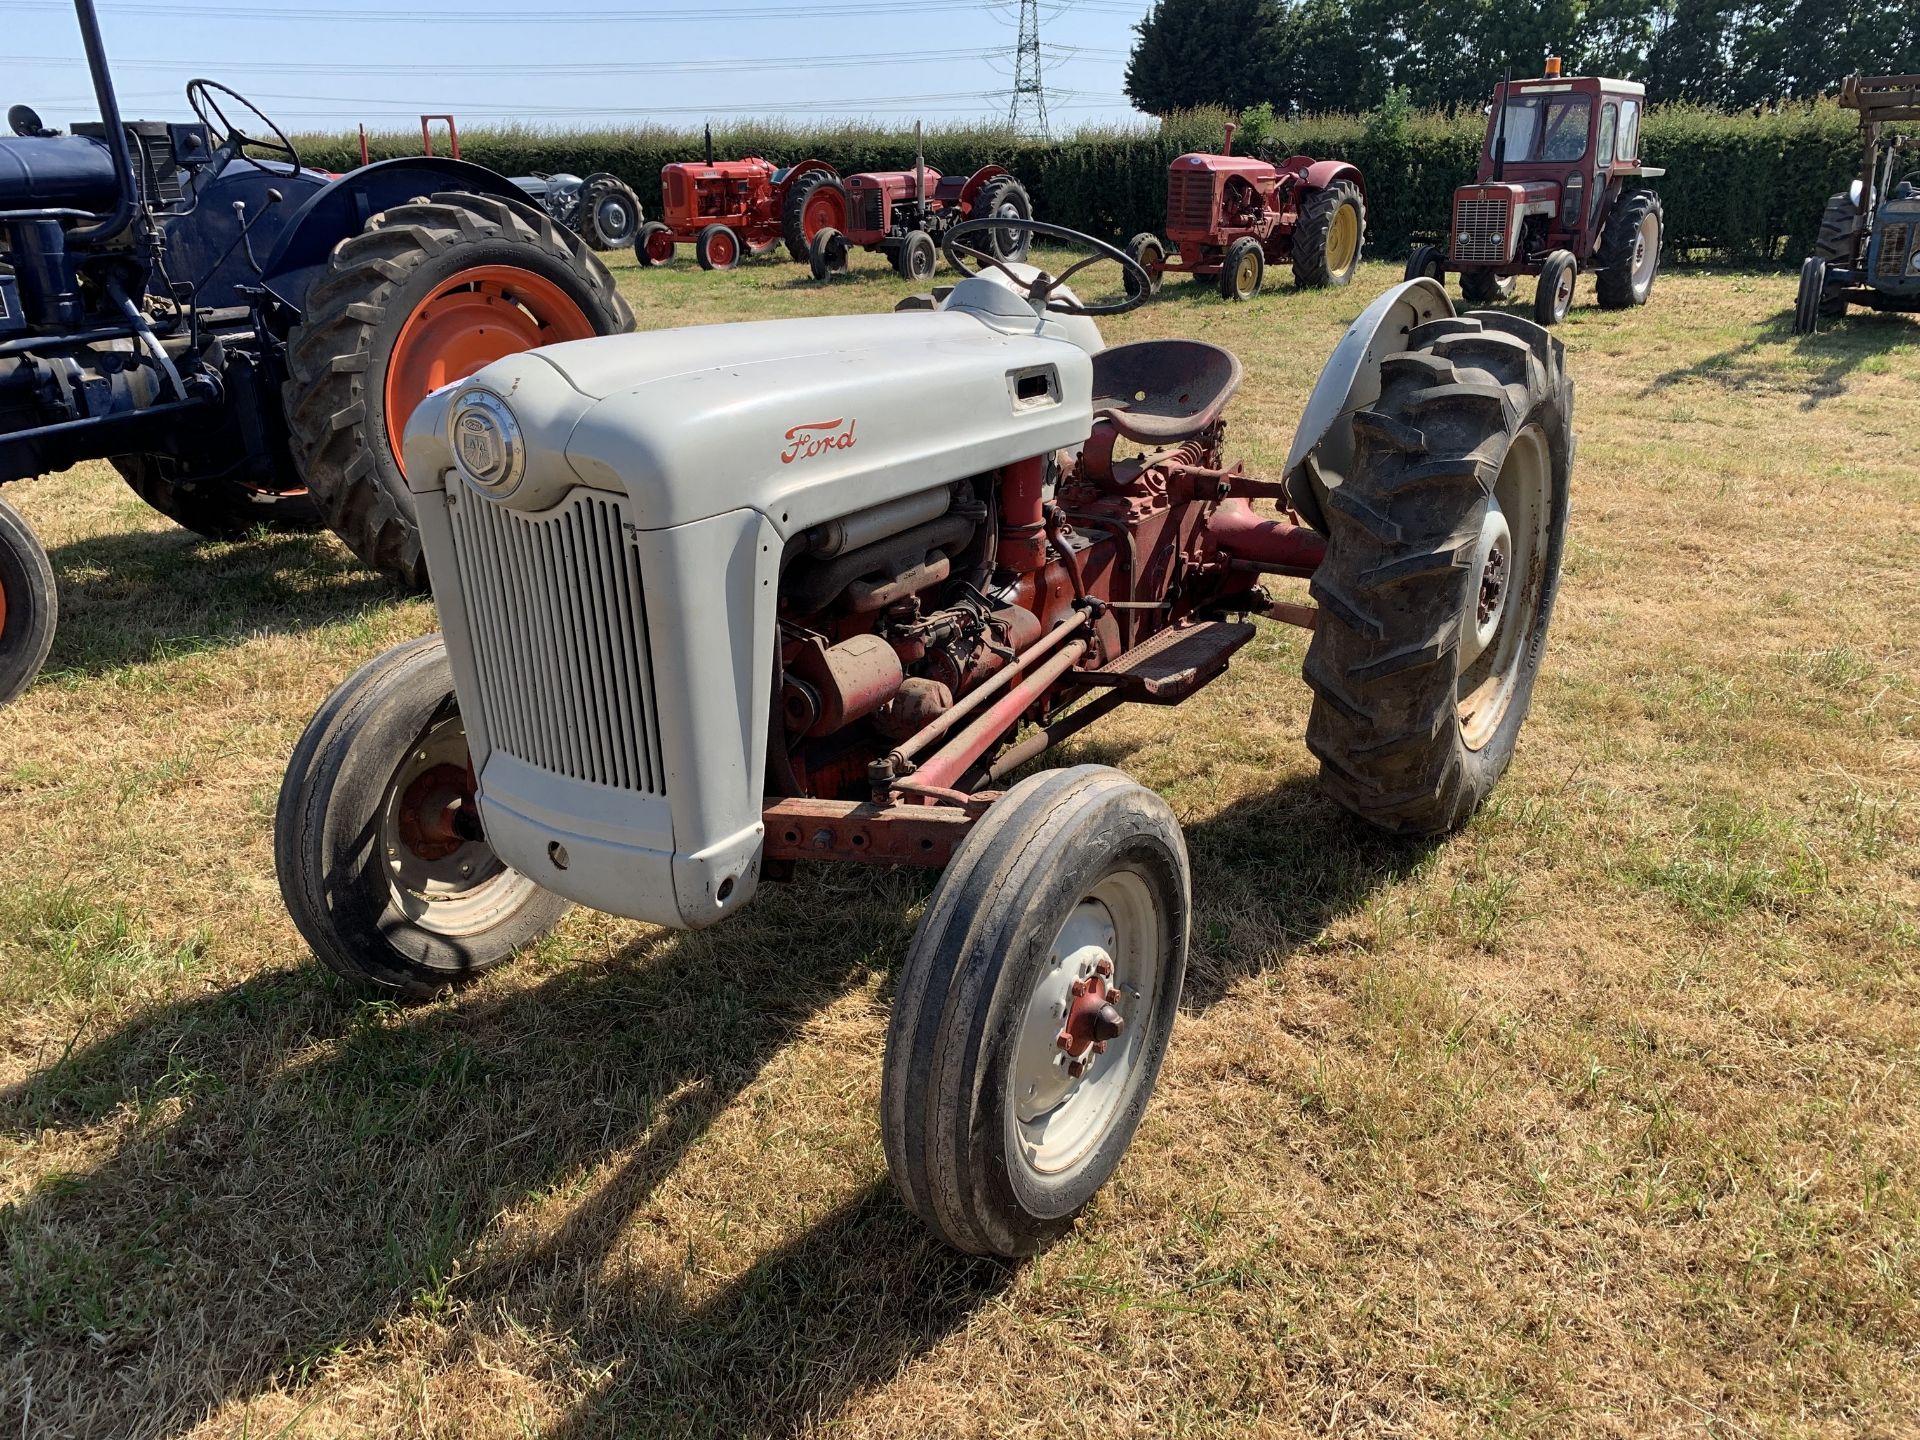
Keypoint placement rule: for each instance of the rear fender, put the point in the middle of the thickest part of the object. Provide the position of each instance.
(805, 167)
(343, 207)
(1322, 450)
(978, 181)
(1322, 173)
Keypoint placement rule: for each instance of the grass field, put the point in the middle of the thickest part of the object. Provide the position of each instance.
(1600, 1118)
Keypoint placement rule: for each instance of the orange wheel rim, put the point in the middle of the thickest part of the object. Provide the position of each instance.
(721, 250)
(660, 246)
(470, 321)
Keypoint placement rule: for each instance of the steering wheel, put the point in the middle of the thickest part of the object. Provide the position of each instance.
(202, 99)
(1041, 287)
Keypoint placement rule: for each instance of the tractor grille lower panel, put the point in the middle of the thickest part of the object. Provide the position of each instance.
(1190, 200)
(870, 211)
(1480, 229)
(1896, 242)
(559, 633)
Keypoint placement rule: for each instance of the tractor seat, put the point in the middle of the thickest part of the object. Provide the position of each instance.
(1163, 392)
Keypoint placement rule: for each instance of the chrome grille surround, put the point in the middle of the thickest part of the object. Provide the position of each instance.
(558, 628)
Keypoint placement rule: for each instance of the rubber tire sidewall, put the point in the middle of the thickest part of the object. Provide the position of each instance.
(982, 942)
(702, 248)
(327, 825)
(1138, 246)
(1230, 266)
(1546, 307)
(917, 258)
(33, 604)
(1483, 287)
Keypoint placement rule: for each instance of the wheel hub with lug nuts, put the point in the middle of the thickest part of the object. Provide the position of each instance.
(1092, 1018)
(1492, 566)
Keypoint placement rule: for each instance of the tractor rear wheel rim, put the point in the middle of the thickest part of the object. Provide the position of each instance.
(1508, 582)
(822, 209)
(1343, 238)
(1059, 1118)
(440, 877)
(613, 216)
(1646, 254)
(468, 321)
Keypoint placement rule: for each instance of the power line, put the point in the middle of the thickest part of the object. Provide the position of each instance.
(835, 9)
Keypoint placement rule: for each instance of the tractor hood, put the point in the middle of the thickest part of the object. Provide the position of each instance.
(1226, 165)
(56, 171)
(803, 420)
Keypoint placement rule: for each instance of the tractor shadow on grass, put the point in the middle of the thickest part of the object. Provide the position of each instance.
(140, 595)
(303, 1174)
(1768, 361)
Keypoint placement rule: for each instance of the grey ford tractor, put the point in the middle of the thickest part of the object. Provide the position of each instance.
(720, 599)
(1868, 250)
(242, 336)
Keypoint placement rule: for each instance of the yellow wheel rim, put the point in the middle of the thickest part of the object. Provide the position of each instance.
(1248, 272)
(1343, 239)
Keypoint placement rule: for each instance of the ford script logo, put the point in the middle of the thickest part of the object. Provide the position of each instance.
(817, 438)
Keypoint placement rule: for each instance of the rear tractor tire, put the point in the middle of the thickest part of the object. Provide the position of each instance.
(1629, 258)
(1483, 287)
(1149, 252)
(609, 212)
(717, 248)
(29, 604)
(426, 294)
(1243, 269)
(1035, 1008)
(1005, 198)
(1835, 246)
(215, 501)
(1443, 560)
(816, 201)
(377, 839)
(1329, 236)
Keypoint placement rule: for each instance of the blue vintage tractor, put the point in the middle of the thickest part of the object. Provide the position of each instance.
(243, 336)
(1868, 252)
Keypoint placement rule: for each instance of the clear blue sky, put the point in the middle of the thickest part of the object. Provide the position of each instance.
(329, 64)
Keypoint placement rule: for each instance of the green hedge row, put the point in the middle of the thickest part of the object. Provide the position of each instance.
(1737, 186)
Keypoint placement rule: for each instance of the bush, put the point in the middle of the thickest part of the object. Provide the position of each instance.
(1737, 186)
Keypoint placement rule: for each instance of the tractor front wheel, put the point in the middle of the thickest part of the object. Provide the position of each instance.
(1035, 1008)
(1242, 269)
(426, 294)
(1553, 292)
(1426, 262)
(1810, 304)
(653, 244)
(815, 202)
(1483, 287)
(1329, 236)
(916, 257)
(827, 253)
(1629, 258)
(1443, 558)
(29, 604)
(1148, 252)
(377, 840)
(717, 248)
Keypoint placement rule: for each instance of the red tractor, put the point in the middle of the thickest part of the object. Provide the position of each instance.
(1559, 191)
(740, 207)
(1230, 216)
(904, 214)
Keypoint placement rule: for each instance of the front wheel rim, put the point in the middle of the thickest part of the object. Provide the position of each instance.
(1059, 1120)
(1507, 586)
(442, 880)
(1245, 276)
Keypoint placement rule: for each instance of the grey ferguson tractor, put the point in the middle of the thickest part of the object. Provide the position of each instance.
(1868, 250)
(243, 337)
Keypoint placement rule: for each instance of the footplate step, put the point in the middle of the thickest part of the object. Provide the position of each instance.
(1173, 664)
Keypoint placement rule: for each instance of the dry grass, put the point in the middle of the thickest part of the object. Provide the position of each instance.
(1598, 1119)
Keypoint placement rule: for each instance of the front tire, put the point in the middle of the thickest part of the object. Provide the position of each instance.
(916, 257)
(653, 244)
(29, 604)
(1835, 245)
(1148, 252)
(1810, 303)
(1483, 287)
(377, 844)
(717, 248)
(1329, 236)
(609, 212)
(1553, 291)
(426, 294)
(1629, 258)
(1242, 269)
(827, 254)
(1075, 875)
(1443, 560)
(1426, 262)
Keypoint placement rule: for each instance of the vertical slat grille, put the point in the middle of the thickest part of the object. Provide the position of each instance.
(559, 633)
(1480, 228)
(1190, 200)
(1895, 241)
(871, 210)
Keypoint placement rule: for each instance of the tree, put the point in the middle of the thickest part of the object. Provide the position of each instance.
(1206, 52)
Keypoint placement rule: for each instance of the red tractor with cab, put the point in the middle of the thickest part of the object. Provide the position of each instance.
(740, 207)
(1560, 190)
(903, 214)
(1231, 216)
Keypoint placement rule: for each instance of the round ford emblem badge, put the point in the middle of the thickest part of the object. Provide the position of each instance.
(486, 442)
